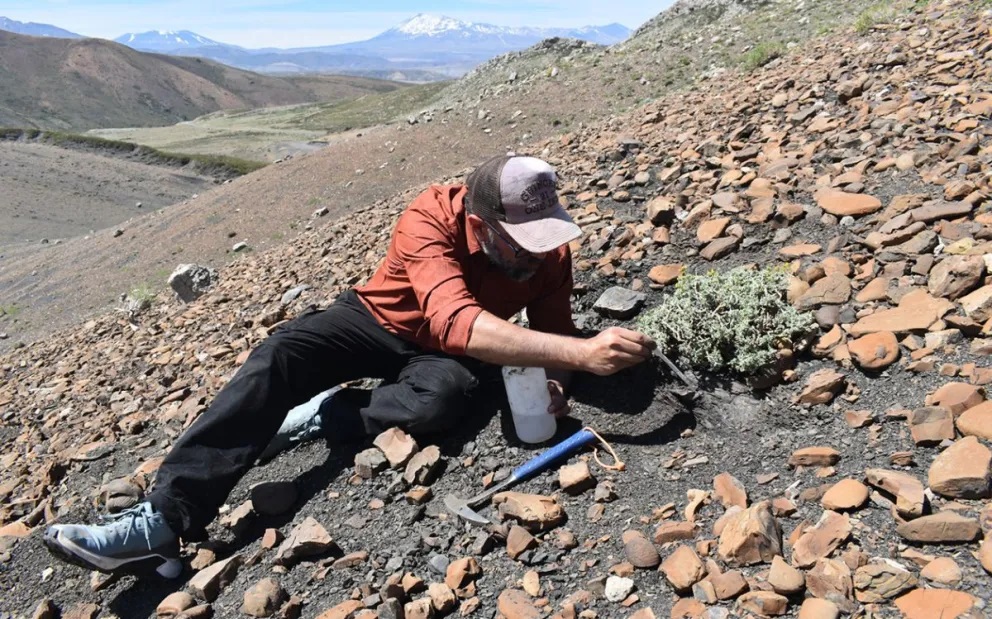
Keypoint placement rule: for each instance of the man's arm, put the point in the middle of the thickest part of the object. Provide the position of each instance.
(500, 342)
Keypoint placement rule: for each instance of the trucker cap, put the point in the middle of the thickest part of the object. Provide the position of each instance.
(519, 191)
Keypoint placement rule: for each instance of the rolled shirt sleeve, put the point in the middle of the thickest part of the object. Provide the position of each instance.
(424, 245)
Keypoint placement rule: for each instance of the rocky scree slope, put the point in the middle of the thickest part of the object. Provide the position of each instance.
(272, 206)
(861, 484)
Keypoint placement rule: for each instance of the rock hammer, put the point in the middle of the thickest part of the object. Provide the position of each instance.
(465, 508)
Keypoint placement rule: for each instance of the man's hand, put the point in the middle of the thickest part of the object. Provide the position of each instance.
(616, 349)
(559, 403)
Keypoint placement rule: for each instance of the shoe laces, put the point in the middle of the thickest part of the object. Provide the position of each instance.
(130, 518)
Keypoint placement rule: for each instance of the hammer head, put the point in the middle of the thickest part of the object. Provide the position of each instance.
(460, 508)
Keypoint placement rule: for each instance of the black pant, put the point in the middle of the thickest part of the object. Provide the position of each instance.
(422, 392)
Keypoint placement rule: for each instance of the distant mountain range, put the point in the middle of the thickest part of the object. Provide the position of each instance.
(422, 48)
(36, 30)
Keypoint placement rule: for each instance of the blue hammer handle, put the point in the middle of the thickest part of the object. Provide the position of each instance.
(536, 464)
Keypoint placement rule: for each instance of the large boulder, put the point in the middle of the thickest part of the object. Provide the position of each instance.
(191, 281)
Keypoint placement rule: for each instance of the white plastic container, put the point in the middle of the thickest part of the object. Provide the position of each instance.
(527, 392)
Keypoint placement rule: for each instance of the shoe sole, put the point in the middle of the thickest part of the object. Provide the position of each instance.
(153, 564)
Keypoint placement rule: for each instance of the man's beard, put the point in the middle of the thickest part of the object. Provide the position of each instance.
(516, 272)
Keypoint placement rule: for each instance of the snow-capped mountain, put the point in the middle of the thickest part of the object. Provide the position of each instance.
(435, 26)
(431, 46)
(455, 47)
(167, 41)
(36, 30)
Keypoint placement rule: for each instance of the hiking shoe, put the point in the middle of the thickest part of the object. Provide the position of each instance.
(303, 423)
(134, 541)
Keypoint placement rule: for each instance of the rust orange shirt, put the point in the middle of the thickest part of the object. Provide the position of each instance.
(435, 279)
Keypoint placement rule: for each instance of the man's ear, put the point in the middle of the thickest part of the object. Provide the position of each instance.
(475, 224)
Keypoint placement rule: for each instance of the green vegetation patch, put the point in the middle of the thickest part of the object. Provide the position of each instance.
(223, 166)
(880, 13)
(10, 311)
(761, 54)
(735, 320)
(367, 111)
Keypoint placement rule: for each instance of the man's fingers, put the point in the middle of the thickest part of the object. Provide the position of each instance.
(634, 338)
(631, 347)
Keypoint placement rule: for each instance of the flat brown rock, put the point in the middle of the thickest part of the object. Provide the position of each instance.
(730, 491)
(846, 494)
(516, 604)
(665, 274)
(210, 581)
(943, 570)
(462, 571)
(344, 610)
(751, 536)
(711, 229)
(820, 540)
(907, 490)
(957, 397)
(882, 580)
(977, 305)
(831, 579)
(931, 424)
(728, 585)
(916, 312)
(942, 528)
(763, 603)
(822, 387)
(985, 553)
(799, 250)
(784, 578)
(518, 541)
(955, 276)
(976, 421)
(874, 351)
(935, 603)
(308, 539)
(534, 512)
(842, 204)
(575, 478)
(815, 608)
(720, 247)
(814, 456)
(264, 598)
(397, 445)
(683, 568)
(674, 532)
(962, 470)
(829, 290)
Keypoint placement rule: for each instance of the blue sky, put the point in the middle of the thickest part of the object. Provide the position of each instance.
(297, 23)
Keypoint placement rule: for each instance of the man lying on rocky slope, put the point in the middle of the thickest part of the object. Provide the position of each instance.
(463, 259)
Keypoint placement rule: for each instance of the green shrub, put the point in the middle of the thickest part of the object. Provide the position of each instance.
(737, 320)
(761, 54)
(875, 14)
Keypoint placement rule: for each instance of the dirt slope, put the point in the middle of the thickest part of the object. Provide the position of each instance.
(79, 84)
(71, 194)
(863, 165)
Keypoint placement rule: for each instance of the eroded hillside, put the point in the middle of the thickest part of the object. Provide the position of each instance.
(79, 84)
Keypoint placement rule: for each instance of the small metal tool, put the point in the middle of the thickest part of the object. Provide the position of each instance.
(691, 383)
(465, 508)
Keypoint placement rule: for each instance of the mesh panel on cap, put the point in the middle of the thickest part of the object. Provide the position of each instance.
(483, 189)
